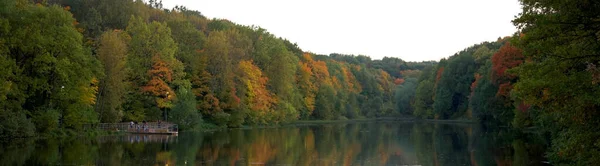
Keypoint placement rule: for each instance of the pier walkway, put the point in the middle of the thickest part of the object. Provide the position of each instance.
(140, 128)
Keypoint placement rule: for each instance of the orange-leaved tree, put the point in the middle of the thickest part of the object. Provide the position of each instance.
(351, 81)
(305, 81)
(258, 98)
(160, 76)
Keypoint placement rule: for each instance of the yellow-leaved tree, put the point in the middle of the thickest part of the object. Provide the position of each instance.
(257, 97)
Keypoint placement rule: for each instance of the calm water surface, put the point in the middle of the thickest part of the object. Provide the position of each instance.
(374, 143)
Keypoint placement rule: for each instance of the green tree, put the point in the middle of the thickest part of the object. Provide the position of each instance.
(324, 103)
(484, 104)
(352, 106)
(190, 41)
(184, 113)
(154, 70)
(43, 59)
(15, 124)
(97, 16)
(423, 104)
(222, 69)
(560, 42)
(279, 65)
(424, 100)
(405, 94)
(112, 52)
(453, 88)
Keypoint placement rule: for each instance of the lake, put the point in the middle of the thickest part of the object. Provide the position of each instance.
(366, 143)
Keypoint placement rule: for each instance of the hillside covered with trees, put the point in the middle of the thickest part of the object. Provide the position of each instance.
(67, 63)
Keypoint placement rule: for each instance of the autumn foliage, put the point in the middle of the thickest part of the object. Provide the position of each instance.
(385, 81)
(398, 81)
(474, 84)
(351, 81)
(504, 90)
(306, 84)
(438, 75)
(506, 58)
(160, 75)
(147, 63)
(257, 95)
(523, 107)
(321, 72)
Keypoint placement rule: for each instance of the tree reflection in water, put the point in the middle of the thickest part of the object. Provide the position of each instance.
(382, 143)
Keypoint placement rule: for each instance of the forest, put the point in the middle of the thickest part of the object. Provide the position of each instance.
(68, 63)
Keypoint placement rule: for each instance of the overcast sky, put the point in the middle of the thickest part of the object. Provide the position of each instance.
(414, 30)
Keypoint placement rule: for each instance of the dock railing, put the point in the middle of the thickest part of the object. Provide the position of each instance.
(148, 127)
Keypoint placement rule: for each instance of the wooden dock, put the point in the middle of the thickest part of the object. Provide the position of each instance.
(141, 128)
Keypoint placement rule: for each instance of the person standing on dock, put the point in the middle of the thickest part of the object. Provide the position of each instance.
(137, 126)
(145, 127)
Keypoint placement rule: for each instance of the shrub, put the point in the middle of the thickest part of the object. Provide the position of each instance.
(221, 118)
(184, 113)
(46, 121)
(15, 125)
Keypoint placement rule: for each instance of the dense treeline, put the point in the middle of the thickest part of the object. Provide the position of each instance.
(66, 63)
(464, 86)
(544, 77)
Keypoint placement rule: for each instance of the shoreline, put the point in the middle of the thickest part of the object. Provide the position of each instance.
(449, 121)
(97, 133)
(350, 121)
(383, 119)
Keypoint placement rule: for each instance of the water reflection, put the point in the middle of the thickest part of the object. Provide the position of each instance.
(137, 138)
(335, 144)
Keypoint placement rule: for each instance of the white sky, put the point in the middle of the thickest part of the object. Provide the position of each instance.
(413, 30)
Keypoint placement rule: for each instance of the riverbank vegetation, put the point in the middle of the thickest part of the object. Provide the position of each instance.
(66, 63)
